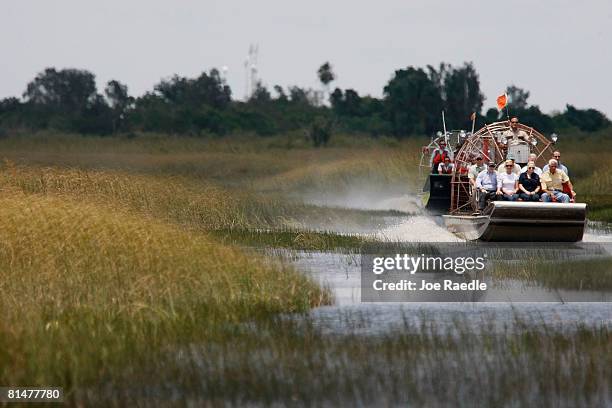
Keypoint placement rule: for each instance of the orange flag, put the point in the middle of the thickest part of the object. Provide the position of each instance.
(502, 101)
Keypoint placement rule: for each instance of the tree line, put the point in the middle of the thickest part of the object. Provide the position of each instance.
(68, 100)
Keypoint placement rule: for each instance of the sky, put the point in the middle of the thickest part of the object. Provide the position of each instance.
(557, 50)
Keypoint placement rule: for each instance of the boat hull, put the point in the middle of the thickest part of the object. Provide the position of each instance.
(439, 199)
(522, 221)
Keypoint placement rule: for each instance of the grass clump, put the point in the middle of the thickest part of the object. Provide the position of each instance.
(586, 274)
(87, 293)
(293, 239)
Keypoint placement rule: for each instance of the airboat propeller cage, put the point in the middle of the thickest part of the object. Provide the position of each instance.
(488, 142)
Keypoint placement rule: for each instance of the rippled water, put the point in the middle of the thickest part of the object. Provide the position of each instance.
(341, 273)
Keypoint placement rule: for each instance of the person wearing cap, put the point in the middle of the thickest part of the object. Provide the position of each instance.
(557, 156)
(475, 169)
(532, 158)
(516, 169)
(446, 167)
(486, 184)
(529, 184)
(507, 182)
(438, 155)
(514, 134)
(552, 182)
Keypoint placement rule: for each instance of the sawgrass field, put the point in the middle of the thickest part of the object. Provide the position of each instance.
(122, 257)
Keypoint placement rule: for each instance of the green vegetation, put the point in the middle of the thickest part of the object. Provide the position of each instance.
(68, 100)
(87, 292)
(294, 239)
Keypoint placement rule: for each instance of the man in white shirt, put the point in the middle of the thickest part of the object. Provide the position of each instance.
(532, 158)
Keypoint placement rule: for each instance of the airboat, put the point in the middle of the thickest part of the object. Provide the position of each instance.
(451, 196)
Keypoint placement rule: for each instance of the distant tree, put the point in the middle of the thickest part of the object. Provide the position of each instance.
(438, 77)
(336, 99)
(67, 99)
(152, 113)
(281, 96)
(299, 95)
(518, 97)
(325, 73)
(492, 115)
(533, 116)
(10, 104)
(119, 100)
(96, 118)
(588, 120)
(462, 95)
(347, 103)
(11, 114)
(66, 90)
(207, 89)
(260, 94)
(320, 131)
(412, 102)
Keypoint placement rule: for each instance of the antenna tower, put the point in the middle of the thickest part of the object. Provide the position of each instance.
(250, 67)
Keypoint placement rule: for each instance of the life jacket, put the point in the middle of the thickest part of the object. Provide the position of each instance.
(439, 156)
(447, 169)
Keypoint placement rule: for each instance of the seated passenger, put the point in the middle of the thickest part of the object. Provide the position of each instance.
(529, 184)
(475, 170)
(552, 182)
(486, 184)
(532, 158)
(516, 169)
(438, 155)
(446, 167)
(557, 157)
(507, 183)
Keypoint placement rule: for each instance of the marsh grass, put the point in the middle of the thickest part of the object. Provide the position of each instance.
(86, 292)
(293, 239)
(586, 274)
(292, 362)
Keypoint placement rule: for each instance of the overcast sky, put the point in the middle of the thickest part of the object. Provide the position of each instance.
(558, 50)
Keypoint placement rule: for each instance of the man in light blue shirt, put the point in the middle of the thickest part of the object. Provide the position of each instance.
(557, 157)
(486, 184)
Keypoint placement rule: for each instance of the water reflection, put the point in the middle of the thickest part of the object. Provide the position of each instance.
(342, 274)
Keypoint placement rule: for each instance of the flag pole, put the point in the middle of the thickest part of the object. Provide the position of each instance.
(507, 111)
(473, 121)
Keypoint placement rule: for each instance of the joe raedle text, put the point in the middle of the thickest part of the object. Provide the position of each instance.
(409, 277)
(423, 285)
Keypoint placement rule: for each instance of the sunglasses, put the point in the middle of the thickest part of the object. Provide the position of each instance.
(509, 165)
(530, 168)
(557, 157)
